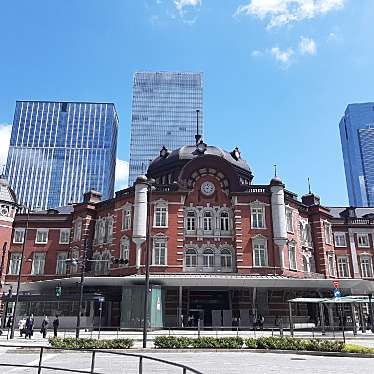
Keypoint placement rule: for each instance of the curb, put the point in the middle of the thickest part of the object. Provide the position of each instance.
(243, 350)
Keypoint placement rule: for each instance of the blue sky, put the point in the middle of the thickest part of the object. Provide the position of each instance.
(278, 74)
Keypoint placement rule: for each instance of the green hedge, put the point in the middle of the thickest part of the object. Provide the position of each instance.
(281, 343)
(82, 343)
(171, 342)
(294, 344)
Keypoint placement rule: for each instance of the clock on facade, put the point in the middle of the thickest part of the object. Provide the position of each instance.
(207, 188)
(4, 210)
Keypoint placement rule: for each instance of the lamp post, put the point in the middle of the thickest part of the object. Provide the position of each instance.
(150, 187)
(20, 273)
(81, 288)
(371, 312)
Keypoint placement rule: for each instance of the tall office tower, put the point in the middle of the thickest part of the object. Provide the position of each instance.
(163, 113)
(357, 137)
(60, 150)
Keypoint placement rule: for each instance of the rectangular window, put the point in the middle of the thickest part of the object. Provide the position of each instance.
(126, 219)
(159, 253)
(64, 236)
(331, 264)
(161, 216)
(366, 267)
(259, 255)
(340, 239)
(61, 263)
(292, 256)
(77, 229)
(18, 236)
(41, 236)
(74, 265)
(328, 233)
(38, 263)
(191, 221)
(343, 267)
(14, 263)
(363, 240)
(289, 220)
(258, 219)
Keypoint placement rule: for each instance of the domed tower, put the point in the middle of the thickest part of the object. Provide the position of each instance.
(8, 209)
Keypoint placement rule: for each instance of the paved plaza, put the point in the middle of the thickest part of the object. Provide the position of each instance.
(207, 362)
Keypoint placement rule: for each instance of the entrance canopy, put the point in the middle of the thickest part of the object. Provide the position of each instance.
(333, 300)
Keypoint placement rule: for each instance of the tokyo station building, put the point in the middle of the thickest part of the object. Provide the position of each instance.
(222, 248)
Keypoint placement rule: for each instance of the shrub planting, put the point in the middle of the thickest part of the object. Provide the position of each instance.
(82, 343)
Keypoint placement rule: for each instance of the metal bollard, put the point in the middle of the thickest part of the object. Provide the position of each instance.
(40, 360)
(93, 362)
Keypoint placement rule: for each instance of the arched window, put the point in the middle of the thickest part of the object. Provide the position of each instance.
(105, 263)
(226, 258)
(225, 221)
(125, 249)
(208, 257)
(191, 221)
(208, 218)
(191, 258)
(97, 263)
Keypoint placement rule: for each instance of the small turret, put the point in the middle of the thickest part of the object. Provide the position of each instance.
(278, 210)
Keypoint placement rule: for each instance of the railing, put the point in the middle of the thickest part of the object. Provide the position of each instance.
(141, 358)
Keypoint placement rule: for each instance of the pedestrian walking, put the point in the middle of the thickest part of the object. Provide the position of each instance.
(29, 327)
(44, 328)
(56, 324)
(260, 321)
(9, 323)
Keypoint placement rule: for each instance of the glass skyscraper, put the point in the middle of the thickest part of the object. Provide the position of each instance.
(357, 137)
(163, 113)
(60, 150)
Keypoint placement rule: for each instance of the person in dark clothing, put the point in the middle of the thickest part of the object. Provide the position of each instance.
(44, 328)
(260, 321)
(9, 323)
(56, 324)
(29, 327)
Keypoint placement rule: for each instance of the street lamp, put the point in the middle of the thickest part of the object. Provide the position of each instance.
(82, 263)
(20, 272)
(150, 187)
(371, 312)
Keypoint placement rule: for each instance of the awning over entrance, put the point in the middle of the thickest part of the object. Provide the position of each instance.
(333, 300)
(206, 280)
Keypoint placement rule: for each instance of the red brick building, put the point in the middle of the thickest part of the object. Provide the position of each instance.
(222, 248)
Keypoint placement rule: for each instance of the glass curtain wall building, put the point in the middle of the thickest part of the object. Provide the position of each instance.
(60, 150)
(163, 114)
(357, 138)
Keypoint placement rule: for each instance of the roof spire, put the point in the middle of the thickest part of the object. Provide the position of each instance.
(275, 170)
(310, 191)
(197, 136)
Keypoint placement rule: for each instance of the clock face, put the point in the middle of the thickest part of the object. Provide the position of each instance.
(4, 211)
(207, 188)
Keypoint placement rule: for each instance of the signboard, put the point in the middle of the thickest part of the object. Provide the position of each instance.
(337, 293)
(335, 283)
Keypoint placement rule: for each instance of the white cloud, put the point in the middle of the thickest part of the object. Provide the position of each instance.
(256, 53)
(180, 4)
(122, 174)
(5, 131)
(307, 46)
(282, 56)
(282, 12)
(188, 10)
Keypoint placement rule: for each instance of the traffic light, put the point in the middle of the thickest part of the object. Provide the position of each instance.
(58, 290)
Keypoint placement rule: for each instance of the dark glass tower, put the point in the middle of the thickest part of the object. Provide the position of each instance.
(357, 137)
(163, 113)
(60, 150)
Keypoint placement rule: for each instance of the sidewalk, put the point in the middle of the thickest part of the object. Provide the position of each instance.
(364, 339)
